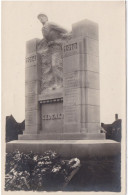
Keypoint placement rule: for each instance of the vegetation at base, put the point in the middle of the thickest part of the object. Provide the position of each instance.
(38, 172)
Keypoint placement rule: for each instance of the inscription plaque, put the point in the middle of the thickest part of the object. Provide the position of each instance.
(31, 59)
(71, 97)
(70, 114)
(70, 49)
(71, 90)
(71, 79)
(52, 116)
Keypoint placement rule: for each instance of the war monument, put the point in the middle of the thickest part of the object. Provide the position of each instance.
(62, 93)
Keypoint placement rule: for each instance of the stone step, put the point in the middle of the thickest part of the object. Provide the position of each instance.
(63, 136)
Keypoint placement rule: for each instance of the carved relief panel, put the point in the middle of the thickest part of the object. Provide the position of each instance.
(52, 67)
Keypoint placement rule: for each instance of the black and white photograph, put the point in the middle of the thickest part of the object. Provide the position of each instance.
(63, 97)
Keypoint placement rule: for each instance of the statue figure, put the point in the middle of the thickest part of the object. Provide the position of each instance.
(50, 48)
(51, 31)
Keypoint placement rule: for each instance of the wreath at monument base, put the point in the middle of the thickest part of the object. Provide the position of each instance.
(38, 172)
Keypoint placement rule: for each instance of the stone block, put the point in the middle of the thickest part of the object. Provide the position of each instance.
(32, 117)
(31, 102)
(85, 28)
(91, 80)
(72, 97)
(49, 136)
(32, 129)
(72, 128)
(92, 63)
(74, 63)
(81, 62)
(83, 127)
(32, 74)
(90, 114)
(72, 114)
(71, 80)
(49, 126)
(76, 79)
(83, 79)
(93, 127)
(90, 96)
(81, 117)
(91, 47)
(31, 45)
(32, 88)
(73, 136)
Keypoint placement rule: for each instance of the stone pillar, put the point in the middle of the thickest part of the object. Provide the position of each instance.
(81, 80)
(32, 88)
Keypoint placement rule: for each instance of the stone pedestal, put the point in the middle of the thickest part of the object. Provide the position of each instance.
(68, 149)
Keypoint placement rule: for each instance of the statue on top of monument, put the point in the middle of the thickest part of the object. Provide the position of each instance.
(50, 49)
(51, 31)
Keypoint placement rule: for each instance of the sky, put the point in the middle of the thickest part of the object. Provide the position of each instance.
(20, 24)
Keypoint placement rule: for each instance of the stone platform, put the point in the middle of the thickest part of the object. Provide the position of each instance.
(63, 136)
(81, 149)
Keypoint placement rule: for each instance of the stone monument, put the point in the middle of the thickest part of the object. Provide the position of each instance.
(62, 83)
(62, 92)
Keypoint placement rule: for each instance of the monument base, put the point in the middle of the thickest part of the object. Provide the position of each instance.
(81, 149)
(63, 136)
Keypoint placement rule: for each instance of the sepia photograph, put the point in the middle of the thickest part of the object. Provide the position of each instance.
(64, 97)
